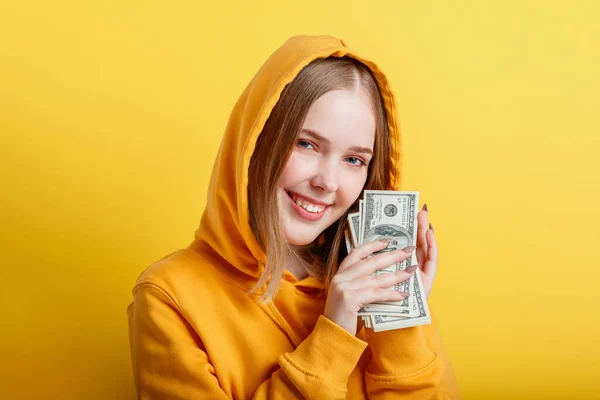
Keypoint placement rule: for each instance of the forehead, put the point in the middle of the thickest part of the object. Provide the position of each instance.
(343, 117)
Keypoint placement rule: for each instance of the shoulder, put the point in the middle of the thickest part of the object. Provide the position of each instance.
(191, 286)
(180, 274)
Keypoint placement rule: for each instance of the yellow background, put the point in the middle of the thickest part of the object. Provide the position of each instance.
(111, 114)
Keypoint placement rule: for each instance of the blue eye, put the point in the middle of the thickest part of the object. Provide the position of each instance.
(355, 161)
(305, 144)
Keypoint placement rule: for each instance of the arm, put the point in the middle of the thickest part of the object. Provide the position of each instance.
(403, 366)
(169, 360)
(410, 363)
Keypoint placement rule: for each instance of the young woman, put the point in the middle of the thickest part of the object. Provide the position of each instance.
(262, 304)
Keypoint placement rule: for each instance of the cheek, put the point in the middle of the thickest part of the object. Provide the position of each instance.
(296, 170)
(287, 177)
(351, 189)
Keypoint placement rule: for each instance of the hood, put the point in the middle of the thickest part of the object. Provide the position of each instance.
(224, 228)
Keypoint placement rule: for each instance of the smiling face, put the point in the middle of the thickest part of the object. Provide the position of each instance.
(328, 166)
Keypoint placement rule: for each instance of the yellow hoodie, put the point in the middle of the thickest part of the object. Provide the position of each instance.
(195, 334)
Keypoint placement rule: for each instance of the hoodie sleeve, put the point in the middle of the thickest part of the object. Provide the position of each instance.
(409, 363)
(170, 362)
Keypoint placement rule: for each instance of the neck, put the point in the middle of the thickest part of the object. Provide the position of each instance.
(296, 267)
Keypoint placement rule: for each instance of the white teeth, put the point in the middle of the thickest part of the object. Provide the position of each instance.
(313, 208)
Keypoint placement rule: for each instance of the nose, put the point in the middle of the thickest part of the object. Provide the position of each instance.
(326, 178)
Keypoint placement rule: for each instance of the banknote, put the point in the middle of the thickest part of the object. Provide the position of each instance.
(391, 215)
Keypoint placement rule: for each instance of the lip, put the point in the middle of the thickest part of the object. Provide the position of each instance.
(302, 212)
(309, 199)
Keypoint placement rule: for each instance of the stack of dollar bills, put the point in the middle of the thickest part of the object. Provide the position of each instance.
(391, 215)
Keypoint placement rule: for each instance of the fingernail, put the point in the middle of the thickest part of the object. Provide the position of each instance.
(411, 269)
(386, 240)
(425, 207)
(405, 294)
(409, 249)
(431, 227)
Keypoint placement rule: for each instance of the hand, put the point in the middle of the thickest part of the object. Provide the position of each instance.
(427, 251)
(353, 286)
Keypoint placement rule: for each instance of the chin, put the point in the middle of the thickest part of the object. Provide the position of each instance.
(297, 239)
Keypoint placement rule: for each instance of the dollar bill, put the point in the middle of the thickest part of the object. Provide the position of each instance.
(360, 220)
(418, 316)
(354, 224)
(392, 215)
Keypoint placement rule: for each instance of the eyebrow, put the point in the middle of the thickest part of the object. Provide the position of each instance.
(358, 149)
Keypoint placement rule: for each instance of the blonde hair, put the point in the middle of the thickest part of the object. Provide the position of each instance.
(273, 148)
